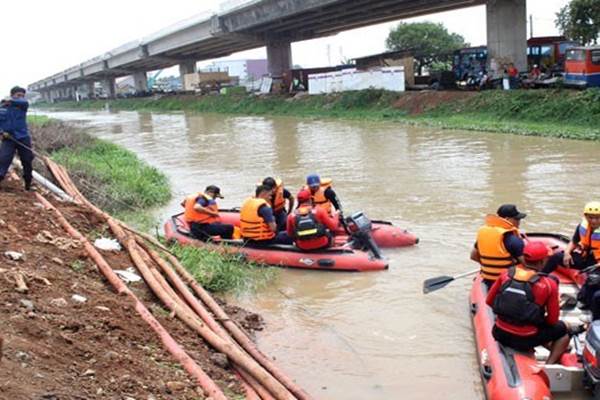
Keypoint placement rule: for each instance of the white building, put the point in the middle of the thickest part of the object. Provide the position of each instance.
(247, 71)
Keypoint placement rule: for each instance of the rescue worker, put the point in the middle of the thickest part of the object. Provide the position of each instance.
(583, 251)
(202, 214)
(277, 201)
(526, 304)
(322, 194)
(257, 223)
(584, 248)
(311, 227)
(499, 245)
(15, 135)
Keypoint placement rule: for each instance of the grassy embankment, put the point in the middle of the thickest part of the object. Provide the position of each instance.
(554, 113)
(120, 183)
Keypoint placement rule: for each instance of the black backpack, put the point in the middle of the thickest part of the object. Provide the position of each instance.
(307, 227)
(515, 303)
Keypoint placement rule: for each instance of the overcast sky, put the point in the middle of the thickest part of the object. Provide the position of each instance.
(43, 37)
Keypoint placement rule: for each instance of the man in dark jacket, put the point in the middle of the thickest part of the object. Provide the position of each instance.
(15, 135)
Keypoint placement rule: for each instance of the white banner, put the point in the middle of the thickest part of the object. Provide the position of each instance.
(388, 78)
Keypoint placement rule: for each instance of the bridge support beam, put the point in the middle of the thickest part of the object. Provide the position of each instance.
(90, 89)
(279, 59)
(109, 86)
(506, 34)
(186, 67)
(140, 81)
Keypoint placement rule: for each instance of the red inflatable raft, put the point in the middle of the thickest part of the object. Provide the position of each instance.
(384, 233)
(511, 375)
(338, 258)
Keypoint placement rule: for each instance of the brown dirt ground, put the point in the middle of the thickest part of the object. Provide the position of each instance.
(100, 349)
(416, 103)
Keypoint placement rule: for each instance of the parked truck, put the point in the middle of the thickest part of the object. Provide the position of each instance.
(548, 52)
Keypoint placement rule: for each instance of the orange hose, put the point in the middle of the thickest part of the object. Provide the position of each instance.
(203, 380)
(240, 336)
(202, 312)
(233, 352)
(250, 365)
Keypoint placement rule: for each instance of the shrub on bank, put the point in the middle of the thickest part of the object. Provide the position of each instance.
(108, 175)
(222, 272)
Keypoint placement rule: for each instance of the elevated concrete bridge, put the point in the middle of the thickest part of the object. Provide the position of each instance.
(274, 24)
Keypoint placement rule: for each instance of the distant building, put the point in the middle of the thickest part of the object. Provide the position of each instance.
(246, 70)
(390, 59)
(125, 86)
(168, 84)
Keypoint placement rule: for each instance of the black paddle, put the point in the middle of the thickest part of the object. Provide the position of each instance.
(439, 282)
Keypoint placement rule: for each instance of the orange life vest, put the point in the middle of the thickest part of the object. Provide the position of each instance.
(493, 256)
(278, 201)
(252, 225)
(318, 198)
(589, 240)
(193, 215)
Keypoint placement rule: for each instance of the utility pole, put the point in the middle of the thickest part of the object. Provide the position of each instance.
(530, 25)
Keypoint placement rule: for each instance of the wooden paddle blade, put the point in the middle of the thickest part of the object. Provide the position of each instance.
(431, 284)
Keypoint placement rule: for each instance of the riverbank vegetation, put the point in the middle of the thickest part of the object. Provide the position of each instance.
(110, 176)
(552, 112)
(219, 272)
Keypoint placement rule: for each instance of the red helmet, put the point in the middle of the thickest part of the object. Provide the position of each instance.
(303, 196)
(535, 251)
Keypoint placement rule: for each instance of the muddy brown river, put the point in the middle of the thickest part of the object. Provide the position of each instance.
(357, 336)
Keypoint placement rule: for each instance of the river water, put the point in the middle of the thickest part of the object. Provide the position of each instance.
(357, 336)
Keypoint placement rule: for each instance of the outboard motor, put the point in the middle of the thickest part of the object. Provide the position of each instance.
(591, 358)
(359, 227)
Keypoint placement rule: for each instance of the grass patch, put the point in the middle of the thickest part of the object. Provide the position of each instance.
(110, 176)
(131, 183)
(77, 265)
(223, 272)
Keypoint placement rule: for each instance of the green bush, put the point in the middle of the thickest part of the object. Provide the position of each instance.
(222, 272)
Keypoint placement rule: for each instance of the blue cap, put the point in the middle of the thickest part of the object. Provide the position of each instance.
(313, 180)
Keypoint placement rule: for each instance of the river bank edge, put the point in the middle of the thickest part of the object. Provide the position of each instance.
(557, 113)
(117, 181)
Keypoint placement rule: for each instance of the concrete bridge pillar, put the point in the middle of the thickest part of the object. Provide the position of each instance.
(74, 92)
(89, 88)
(506, 34)
(186, 67)
(109, 86)
(140, 81)
(279, 58)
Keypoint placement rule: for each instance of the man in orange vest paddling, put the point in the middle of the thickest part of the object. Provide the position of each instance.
(202, 214)
(527, 307)
(499, 245)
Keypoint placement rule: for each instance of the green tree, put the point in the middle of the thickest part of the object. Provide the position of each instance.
(580, 20)
(429, 42)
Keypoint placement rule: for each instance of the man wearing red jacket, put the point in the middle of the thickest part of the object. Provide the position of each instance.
(527, 307)
(311, 227)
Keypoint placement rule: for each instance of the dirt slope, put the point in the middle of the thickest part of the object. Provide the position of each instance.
(57, 348)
